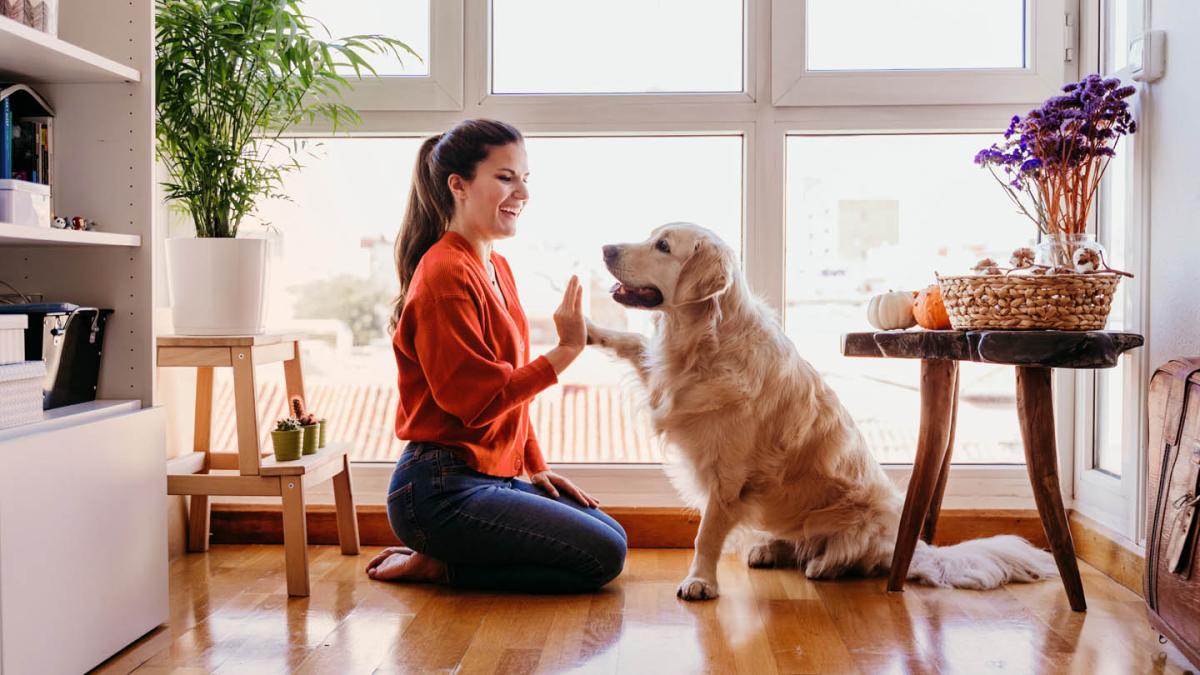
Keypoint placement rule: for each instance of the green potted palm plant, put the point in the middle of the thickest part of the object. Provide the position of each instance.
(231, 77)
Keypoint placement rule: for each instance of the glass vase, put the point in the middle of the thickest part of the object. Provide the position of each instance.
(1070, 253)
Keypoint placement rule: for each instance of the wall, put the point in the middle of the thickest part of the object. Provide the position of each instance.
(1171, 124)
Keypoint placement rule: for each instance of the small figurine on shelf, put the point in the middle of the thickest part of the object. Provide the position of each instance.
(78, 223)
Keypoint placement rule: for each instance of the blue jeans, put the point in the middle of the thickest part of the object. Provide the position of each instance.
(499, 533)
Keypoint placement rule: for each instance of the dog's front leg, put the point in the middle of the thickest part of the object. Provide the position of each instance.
(629, 346)
(715, 523)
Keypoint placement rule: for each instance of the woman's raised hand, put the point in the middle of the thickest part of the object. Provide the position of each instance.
(568, 318)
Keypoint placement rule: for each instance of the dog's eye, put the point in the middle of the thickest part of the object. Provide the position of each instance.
(663, 246)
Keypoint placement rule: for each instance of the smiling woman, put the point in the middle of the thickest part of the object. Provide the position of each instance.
(457, 497)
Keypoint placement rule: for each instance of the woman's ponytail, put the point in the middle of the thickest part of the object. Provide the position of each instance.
(424, 222)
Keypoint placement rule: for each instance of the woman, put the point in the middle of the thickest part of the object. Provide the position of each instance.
(462, 348)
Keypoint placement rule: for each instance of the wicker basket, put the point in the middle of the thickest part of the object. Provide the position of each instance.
(1021, 302)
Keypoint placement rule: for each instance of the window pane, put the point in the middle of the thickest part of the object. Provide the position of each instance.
(1116, 39)
(333, 276)
(406, 21)
(1110, 385)
(618, 46)
(866, 214)
(933, 34)
(587, 192)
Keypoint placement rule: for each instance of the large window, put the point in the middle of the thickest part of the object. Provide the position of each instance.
(830, 142)
(867, 214)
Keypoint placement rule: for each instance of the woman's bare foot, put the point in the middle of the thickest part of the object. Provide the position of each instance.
(403, 564)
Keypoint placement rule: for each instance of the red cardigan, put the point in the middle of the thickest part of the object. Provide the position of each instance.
(465, 376)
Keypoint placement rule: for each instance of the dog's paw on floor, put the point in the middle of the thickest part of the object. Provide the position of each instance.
(695, 588)
(761, 557)
(774, 554)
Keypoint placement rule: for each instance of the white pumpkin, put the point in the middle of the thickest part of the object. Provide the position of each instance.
(888, 311)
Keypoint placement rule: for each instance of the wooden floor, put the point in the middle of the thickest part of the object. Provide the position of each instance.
(230, 614)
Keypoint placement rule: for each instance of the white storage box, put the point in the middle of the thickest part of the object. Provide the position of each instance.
(12, 338)
(24, 203)
(21, 393)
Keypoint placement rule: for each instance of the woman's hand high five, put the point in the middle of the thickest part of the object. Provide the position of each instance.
(568, 318)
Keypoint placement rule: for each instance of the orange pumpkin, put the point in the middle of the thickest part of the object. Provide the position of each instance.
(929, 310)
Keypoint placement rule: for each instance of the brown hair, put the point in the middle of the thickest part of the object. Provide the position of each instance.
(430, 202)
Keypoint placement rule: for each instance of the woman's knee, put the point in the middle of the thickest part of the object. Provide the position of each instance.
(609, 551)
(618, 529)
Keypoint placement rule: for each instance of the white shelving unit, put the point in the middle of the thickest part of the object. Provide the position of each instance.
(92, 477)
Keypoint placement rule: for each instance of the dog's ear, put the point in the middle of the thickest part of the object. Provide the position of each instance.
(705, 275)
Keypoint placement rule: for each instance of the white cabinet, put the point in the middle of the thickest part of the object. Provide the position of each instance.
(83, 558)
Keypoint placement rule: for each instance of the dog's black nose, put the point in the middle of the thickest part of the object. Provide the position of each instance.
(610, 253)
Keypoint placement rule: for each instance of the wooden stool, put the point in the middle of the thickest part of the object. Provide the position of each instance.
(1034, 353)
(258, 474)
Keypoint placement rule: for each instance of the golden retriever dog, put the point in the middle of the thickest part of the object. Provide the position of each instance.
(757, 439)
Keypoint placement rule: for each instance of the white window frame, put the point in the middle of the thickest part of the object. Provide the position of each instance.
(764, 127)
(1052, 27)
(441, 89)
(1117, 502)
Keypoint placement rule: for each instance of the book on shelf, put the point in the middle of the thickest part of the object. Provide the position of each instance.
(26, 135)
(31, 135)
(6, 138)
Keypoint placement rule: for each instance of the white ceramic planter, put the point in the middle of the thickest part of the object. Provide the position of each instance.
(218, 285)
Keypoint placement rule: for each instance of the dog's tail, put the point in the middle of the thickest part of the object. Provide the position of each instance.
(981, 563)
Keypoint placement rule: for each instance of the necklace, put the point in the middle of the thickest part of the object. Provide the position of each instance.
(495, 281)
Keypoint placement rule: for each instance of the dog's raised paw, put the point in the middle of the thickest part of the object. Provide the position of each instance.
(695, 588)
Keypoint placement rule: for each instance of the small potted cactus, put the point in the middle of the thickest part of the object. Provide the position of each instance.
(309, 423)
(287, 439)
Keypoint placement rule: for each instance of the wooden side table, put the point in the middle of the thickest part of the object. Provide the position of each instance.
(253, 471)
(1034, 353)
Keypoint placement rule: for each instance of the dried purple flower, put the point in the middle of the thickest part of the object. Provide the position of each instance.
(1051, 161)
